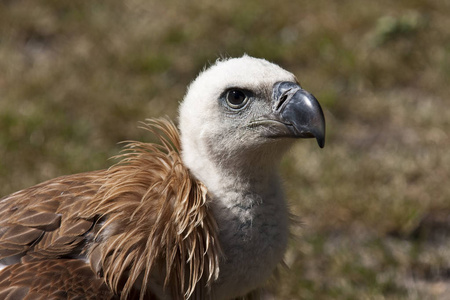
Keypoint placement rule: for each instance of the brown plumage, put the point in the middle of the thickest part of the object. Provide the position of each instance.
(138, 222)
(52, 279)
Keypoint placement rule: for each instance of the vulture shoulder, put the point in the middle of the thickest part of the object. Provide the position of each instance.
(43, 221)
(135, 224)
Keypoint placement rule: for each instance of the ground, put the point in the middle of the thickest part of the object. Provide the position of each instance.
(374, 205)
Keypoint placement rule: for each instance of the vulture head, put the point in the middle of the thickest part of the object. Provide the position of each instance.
(245, 112)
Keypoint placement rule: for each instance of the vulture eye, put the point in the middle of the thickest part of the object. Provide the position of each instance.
(236, 98)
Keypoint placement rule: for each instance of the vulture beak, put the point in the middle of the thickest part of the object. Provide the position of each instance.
(295, 113)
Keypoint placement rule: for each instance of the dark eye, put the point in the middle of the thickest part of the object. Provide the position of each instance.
(236, 98)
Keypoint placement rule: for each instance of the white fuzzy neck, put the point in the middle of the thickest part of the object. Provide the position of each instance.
(249, 207)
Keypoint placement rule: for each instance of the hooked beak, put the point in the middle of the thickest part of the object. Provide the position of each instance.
(295, 113)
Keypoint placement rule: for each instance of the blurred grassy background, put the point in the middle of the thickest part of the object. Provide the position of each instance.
(77, 76)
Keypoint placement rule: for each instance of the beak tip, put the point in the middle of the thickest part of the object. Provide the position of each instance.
(320, 135)
(321, 142)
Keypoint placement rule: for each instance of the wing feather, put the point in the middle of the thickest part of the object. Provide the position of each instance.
(52, 279)
(21, 235)
(42, 221)
(39, 219)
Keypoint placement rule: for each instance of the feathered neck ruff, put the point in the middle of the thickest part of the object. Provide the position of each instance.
(157, 225)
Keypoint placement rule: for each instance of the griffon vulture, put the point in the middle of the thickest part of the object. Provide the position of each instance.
(201, 215)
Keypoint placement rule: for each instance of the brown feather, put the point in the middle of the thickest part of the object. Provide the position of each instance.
(57, 279)
(21, 235)
(157, 220)
(42, 221)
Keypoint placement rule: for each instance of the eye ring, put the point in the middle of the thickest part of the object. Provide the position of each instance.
(236, 98)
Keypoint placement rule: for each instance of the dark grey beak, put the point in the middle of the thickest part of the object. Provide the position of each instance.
(295, 114)
(299, 111)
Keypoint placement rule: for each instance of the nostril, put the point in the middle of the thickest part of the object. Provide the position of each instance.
(281, 101)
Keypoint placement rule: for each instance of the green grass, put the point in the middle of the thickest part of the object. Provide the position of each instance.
(77, 76)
